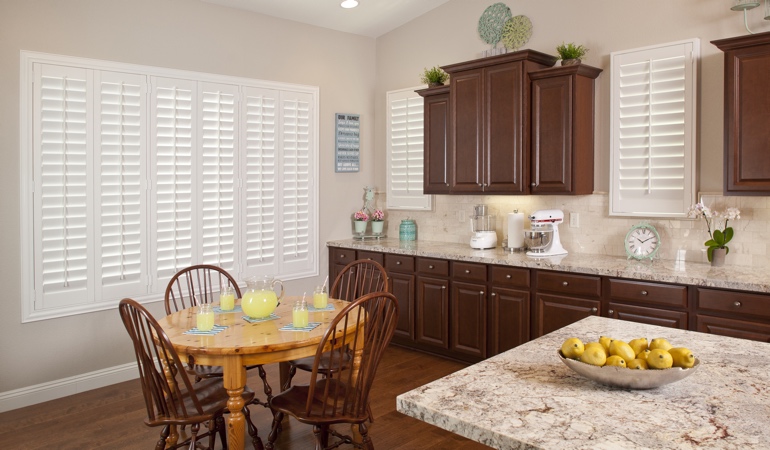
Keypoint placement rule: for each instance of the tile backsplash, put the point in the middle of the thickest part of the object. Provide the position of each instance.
(598, 233)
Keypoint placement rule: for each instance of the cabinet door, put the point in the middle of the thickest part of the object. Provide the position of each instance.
(652, 316)
(402, 286)
(508, 319)
(553, 312)
(505, 135)
(432, 312)
(467, 119)
(743, 329)
(551, 166)
(468, 309)
(438, 164)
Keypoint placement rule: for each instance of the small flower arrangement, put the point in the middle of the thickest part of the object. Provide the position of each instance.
(718, 238)
(378, 215)
(361, 216)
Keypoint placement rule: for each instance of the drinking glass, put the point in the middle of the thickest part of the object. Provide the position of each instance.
(320, 298)
(205, 317)
(227, 298)
(299, 314)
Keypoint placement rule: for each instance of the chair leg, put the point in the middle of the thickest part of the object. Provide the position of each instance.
(290, 375)
(255, 440)
(222, 430)
(212, 432)
(194, 436)
(277, 418)
(321, 437)
(163, 436)
(366, 441)
(267, 389)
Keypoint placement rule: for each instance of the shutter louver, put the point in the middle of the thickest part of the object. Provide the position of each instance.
(121, 191)
(62, 155)
(218, 135)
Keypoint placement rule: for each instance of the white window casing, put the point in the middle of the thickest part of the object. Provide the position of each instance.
(653, 132)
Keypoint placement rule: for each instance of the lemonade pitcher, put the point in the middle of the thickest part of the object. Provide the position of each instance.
(260, 298)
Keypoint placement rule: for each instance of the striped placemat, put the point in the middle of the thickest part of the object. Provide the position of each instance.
(263, 319)
(290, 327)
(237, 308)
(312, 308)
(211, 332)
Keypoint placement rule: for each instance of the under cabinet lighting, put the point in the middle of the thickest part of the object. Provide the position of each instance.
(349, 4)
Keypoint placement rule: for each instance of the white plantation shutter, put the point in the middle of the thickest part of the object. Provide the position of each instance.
(653, 132)
(218, 137)
(405, 151)
(62, 174)
(173, 177)
(121, 138)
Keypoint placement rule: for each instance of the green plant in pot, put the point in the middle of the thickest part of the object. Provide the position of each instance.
(570, 53)
(434, 76)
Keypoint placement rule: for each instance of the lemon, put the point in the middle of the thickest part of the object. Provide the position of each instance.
(639, 364)
(572, 348)
(682, 357)
(598, 346)
(620, 348)
(643, 354)
(606, 341)
(594, 355)
(615, 360)
(638, 345)
(659, 359)
(661, 343)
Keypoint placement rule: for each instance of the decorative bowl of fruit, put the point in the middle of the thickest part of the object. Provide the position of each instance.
(636, 364)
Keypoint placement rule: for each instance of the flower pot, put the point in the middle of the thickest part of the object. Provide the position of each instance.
(570, 62)
(360, 226)
(718, 257)
(377, 227)
(435, 84)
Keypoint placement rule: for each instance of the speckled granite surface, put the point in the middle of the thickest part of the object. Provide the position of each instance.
(668, 271)
(526, 398)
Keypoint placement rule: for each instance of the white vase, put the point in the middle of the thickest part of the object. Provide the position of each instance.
(718, 257)
(377, 227)
(360, 226)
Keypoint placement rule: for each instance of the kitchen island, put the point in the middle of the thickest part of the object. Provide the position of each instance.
(526, 398)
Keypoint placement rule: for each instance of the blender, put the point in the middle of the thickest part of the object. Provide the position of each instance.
(483, 228)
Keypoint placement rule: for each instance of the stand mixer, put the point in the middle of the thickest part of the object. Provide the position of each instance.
(483, 227)
(543, 237)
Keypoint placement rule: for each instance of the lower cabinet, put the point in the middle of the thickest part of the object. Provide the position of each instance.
(563, 298)
(508, 310)
(729, 313)
(468, 311)
(645, 302)
(432, 312)
(401, 277)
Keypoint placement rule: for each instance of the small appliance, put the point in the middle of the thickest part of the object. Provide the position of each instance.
(542, 238)
(483, 228)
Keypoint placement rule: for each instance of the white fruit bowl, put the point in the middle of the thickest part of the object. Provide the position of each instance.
(628, 378)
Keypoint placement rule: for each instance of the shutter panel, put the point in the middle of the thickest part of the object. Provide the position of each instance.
(218, 138)
(296, 182)
(405, 151)
(62, 149)
(121, 257)
(258, 172)
(173, 177)
(653, 130)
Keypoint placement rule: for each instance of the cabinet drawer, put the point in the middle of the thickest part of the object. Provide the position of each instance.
(734, 302)
(373, 256)
(399, 263)
(741, 329)
(578, 285)
(649, 293)
(435, 267)
(469, 271)
(509, 276)
(342, 255)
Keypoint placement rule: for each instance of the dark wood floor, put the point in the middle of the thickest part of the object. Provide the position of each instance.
(112, 417)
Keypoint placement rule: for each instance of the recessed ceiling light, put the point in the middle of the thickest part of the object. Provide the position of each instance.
(349, 4)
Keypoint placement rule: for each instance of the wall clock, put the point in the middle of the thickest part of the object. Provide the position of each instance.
(642, 242)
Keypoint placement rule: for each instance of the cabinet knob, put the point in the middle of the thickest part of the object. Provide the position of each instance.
(533, 185)
(610, 312)
(342, 256)
(430, 266)
(565, 283)
(493, 294)
(481, 292)
(443, 287)
(508, 276)
(643, 292)
(467, 271)
(398, 263)
(594, 309)
(737, 304)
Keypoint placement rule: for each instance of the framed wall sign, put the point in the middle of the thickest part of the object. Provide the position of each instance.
(347, 142)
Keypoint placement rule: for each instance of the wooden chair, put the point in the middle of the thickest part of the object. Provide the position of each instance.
(171, 398)
(342, 396)
(357, 279)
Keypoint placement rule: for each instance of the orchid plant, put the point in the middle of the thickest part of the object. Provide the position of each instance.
(378, 215)
(718, 238)
(361, 216)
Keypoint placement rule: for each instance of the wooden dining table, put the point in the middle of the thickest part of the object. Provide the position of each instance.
(244, 344)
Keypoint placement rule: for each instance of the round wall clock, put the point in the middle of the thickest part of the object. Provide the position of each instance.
(642, 242)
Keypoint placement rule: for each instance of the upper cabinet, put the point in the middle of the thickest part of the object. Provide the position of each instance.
(747, 107)
(436, 140)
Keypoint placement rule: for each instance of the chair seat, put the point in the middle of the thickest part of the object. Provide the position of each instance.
(204, 372)
(212, 396)
(324, 364)
(294, 402)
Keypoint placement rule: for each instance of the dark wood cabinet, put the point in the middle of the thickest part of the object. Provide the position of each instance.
(468, 310)
(402, 282)
(338, 259)
(747, 107)
(563, 298)
(508, 310)
(562, 156)
(733, 313)
(432, 312)
(437, 158)
(647, 302)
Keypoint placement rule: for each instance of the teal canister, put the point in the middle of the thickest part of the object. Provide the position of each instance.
(407, 231)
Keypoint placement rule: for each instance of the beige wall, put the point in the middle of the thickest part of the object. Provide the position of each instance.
(448, 35)
(181, 34)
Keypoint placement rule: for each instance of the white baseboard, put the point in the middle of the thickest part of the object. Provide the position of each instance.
(52, 390)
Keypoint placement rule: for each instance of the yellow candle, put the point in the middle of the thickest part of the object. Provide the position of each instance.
(320, 300)
(300, 318)
(227, 302)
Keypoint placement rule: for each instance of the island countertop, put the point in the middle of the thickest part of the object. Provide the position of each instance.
(667, 271)
(526, 398)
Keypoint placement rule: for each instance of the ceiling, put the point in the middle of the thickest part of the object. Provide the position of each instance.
(371, 18)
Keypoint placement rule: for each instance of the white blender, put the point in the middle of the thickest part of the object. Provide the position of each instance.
(483, 227)
(543, 237)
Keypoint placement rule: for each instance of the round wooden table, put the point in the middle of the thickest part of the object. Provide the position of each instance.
(243, 344)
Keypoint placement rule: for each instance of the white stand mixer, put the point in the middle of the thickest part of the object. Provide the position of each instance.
(543, 237)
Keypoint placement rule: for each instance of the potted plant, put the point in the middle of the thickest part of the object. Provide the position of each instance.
(359, 221)
(434, 76)
(570, 53)
(378, 221)
(716, 246)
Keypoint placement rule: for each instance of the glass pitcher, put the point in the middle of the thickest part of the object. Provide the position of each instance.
(259, 300)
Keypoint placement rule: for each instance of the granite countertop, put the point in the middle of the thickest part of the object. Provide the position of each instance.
(526, 398)
(667, 271)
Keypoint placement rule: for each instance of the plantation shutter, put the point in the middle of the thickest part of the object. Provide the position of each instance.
(218, 203)
(173, 177)
(405, 151)
(653, 132)
(120, 112)
(63, 173)
(258, 172)
(296, 182)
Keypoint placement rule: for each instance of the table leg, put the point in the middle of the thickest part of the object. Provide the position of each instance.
(283, 371)
(234, 382)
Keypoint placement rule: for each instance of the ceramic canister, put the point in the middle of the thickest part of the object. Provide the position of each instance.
(407, 231)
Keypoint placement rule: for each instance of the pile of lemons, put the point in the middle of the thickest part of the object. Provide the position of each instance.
(634, 354)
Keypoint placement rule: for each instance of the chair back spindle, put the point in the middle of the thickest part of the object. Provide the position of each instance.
(197, 284)
(359, 278)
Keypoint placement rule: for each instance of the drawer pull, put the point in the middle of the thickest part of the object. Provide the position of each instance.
(508, 276)
(565, 283)
(594, 309)
(643, 292)
(467, 271)
(737, 304)
(342, 256)
(430, 266)
(398, 263)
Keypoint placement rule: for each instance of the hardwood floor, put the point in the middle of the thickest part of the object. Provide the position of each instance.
(113, 417)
